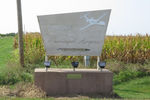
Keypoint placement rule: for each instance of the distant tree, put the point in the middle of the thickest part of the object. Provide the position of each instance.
(7, 34)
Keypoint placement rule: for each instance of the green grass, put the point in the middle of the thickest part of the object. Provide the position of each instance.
(59, 98)
(137, 88)
(6, 48)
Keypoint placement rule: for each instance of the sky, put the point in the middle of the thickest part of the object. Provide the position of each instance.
(127, 16)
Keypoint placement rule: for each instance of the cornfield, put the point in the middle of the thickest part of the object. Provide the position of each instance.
(127, 48)
(133, 49)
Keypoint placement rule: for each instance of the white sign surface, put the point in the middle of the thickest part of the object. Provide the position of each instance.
(74, 34)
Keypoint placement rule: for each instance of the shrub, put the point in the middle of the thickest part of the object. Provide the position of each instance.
(126, 75)
(13, 73)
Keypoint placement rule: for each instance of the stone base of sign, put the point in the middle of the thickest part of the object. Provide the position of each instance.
(66, 81)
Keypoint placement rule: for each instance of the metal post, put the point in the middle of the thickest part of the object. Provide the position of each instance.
(98, 60)
(20, 33)
(86, 61)
(46, 59)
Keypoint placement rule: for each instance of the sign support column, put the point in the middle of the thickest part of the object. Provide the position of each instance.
(98, 60)
(86, 61)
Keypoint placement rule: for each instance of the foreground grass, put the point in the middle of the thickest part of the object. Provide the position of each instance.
(9, 98)
(137, 88)
(60, 98)
(131, 90)
(6, 47)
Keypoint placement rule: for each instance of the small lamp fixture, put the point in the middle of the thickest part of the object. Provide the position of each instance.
(75, 65)
(47, 65)
(102, 64)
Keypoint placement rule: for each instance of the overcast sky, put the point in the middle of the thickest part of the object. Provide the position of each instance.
(127, 17)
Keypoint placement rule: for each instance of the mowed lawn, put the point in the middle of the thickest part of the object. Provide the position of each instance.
(6, 48)
(138, 88)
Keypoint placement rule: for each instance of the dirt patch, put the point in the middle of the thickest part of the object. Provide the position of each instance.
(28, 90)
(4, 91)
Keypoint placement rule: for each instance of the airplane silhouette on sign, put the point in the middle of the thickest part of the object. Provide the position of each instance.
(93, 21)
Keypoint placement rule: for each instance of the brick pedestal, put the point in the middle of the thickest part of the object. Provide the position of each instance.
(67, 81)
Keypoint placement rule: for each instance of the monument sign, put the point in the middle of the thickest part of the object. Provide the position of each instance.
(74, 34)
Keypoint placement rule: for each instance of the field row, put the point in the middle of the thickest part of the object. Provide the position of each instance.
(134, 49)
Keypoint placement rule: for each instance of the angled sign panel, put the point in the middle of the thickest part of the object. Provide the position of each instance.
(74, 34)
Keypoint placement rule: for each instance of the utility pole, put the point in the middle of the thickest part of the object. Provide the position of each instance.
(20, 33)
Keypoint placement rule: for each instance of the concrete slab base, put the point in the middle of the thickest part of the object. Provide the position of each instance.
(66, 81)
